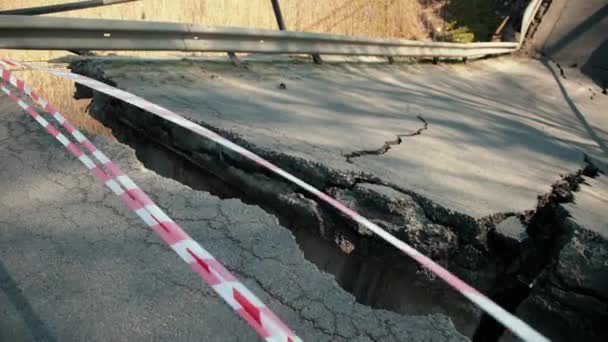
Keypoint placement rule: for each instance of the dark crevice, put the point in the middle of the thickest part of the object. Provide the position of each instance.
(388, 144)
(582, 291)
(364, 265)
(545, 227)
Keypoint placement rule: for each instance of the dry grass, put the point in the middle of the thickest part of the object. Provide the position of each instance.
(375, 18)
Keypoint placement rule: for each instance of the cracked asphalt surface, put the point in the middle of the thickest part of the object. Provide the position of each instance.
(387, 145)
(77, 265)
(500, 131)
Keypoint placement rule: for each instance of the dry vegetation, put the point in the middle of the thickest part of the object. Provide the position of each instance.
(376, 18)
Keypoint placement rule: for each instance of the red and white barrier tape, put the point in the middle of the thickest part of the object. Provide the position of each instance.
(245, 303)
(510, 321)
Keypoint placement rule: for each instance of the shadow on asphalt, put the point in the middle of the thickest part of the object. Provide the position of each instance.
(580, 116)
(596, 67)
(581, 29)
(37, 328)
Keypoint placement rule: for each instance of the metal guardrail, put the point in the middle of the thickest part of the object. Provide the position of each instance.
(528, 18)
(50, 33)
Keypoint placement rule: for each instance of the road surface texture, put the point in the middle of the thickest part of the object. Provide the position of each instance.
(470, 163)
(499, 131)
(77, 265)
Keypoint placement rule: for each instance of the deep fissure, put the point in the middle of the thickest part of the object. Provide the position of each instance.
(371, 271)
(545, 226)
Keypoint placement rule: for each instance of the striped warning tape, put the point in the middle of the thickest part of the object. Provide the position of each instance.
(243, 301)
(510, 321)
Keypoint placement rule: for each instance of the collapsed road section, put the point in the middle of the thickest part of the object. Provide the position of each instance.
(490, 240)
(75, 261)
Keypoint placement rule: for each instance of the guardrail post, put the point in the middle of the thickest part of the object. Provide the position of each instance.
(235, 60)
(276, 7)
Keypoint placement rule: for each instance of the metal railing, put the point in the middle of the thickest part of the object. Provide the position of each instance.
(51, 33)
(48, 33)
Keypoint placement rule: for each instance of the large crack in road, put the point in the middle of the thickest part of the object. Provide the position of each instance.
(376, 274)
(478, 250)
(74, 260)
(330, 241)
(529, 247)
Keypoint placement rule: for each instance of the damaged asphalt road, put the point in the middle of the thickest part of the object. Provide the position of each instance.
(464, 191)
(489, 147)
(498, 129)
(75, 264)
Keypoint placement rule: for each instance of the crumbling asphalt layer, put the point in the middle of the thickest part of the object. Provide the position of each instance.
(375, 273)
(569, 300)
(75, 264)
(533, 243)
